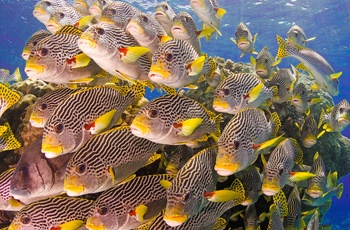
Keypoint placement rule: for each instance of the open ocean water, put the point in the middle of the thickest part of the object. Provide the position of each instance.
(327, 20)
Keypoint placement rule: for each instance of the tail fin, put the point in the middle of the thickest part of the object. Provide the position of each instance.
(276, 123)
(282, 47)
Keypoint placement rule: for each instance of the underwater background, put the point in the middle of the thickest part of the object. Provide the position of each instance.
(328, 21)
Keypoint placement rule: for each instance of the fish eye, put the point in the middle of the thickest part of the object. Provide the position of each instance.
(103, 211)
(47, 3)
(61, 15)
(280, 172)
(58, 128)
(43, 52)
(153, 113)
(169, 56)
(100, 31)
(266, 61)
(112, 11)
(43, 107)
(80, 168)
(186, 19)
(341, 110)
(144, 18)
(186, 196)
(165, 7)
(226, 92)
(23, 171)
(236, 144)
(103, 2)
(25, 220)
(34, 43)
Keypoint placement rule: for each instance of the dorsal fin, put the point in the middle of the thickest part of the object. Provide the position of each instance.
(69, 29)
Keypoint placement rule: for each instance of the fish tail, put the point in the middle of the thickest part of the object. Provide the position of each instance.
(280, 201)
(340, 190)
(10, 139)
(276, 123)
(320, 122)
(298, 158)
(16, 76)
(282, 47)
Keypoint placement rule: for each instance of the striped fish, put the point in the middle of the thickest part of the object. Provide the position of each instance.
(293, 219)
(53, 213)
(297, 36)
(115, 51)
(118, 13)
(186, 194)
(168, 120)
(83, 6)
(105, 160)
(7, 202)
(244, 39)
(146, 30)
(251, 180)
(178, 158)
(45, 105)
(314, 222)
(264, 63)
(32, 41)
(313, 62)
(37, 177)
(250, 217)
(177, 64)
(8, 98)
(284, 80)
(58, 59)
(241, 138)
(316, 185)
(239, 91)
(44, 8)
(83, 114)
(300, 99)
(308, 132)
(209, 13)
(164, 14)
(128, 205)
(275, 222)
(278, 167)
(62, 16)
(338, 119)
(6, 77)
(184, 27)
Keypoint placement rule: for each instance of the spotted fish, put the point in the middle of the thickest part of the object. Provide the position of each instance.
(300, 99)
(186, 194)
(250, 217)
(7, 140)
(244, 40)
(37, 177)
(308, 132)
(284, 80)
(118, 13)
(83, 114)
(275, 222)
(164, 14)
(297, 36)
(178, 158)
(105, 160)
(316, 185)
(139, 200)
(313, 62)
(33, 41)
(45, 105)
(58, 59)
(58, 213)
(115, 51)
(8, 97)
(293, 219)
(7, 202)
(62, 16)
(264, 63)
(239, 91)
(177, 64)
(174, 120)
(242, 136)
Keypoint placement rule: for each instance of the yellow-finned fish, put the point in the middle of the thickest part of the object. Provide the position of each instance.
(6, 77)
(316, 185)
(44, 8)
(264, 63)
(33, 41)
(164, 14)
(314, 63)
(244, 40)
(297, 36)
(62, 16)
(168, 120)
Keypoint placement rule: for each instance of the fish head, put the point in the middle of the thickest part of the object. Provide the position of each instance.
(263, 64)
(314, 190)
(296, 35)
(60, 138)
(342, 114)
(95, 40)
(200, 5)
(309, 140)
(45, 61)
(244, 38)
(333, 87)
(40, 114)
(233, 155)
(26, 52)
(163, 12)
(105, 218)
(141, 27)
(183, 26)
(33, 175)
(149, 123)
(226, 100)
(96, 7)
(118, 13)
(23, 221)
(83, 178)
(42, 11)
(272, 179)
(56, 21)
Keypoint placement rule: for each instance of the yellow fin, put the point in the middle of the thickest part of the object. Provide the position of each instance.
(17, 75)
(300, 176)
(315, 100)
(310, 39)
(8, 98)
(153, 158)
(165, 183)
(196, 66)
(255, 92)
(164, 39)
(278, 61)
(328, 128)
(302, 67)
(10, 139)
(276, 123)
(79, 60)
(139, 212)
(281, 201)
(84, 22)
(132, 53)
(222, 195)
(3, 129)
(270, 143)
(191, 86)
(103, 121)
(233, 40)
(253, 60)
(188, 126)
(282, 47)
(340, 190)
(315, 87)
(220, 224)
(220, 12)
(86, 80)
(15, 203)
(205, 32)
(335, 76)
(70, 29)
(254, 40)
(129, 178)
(74, 224)
(263, 159)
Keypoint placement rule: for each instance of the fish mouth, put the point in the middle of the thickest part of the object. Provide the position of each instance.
(175, 220)
(72, 186)
(51, 149)
(25, 55)
(309, 141)
(156, 77)
(177, 28)
(93, 223)
(220, 106)
(37, 12)
(159, 14)
(95, 10)
(37, 122)
(225, 170)
(140, 126)
(314, 193)
(33, 70)
(197, 3)
(261, 72)
(79, 4)
(133, 28)
(20, 193)
(86, 42)
(243, 45)
(270, 189)
(247, 202)
(343, 120)
(53, 27)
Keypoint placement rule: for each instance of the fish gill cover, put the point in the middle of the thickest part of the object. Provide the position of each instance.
(306, 39)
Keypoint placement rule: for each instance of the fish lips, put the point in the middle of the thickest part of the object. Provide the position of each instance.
(19, 193)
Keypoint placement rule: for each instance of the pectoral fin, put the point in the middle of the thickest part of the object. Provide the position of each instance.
(196, 66)
(132, 53)
(188, 126)
(100, 123)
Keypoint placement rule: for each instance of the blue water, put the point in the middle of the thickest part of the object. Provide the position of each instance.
(328, 21)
